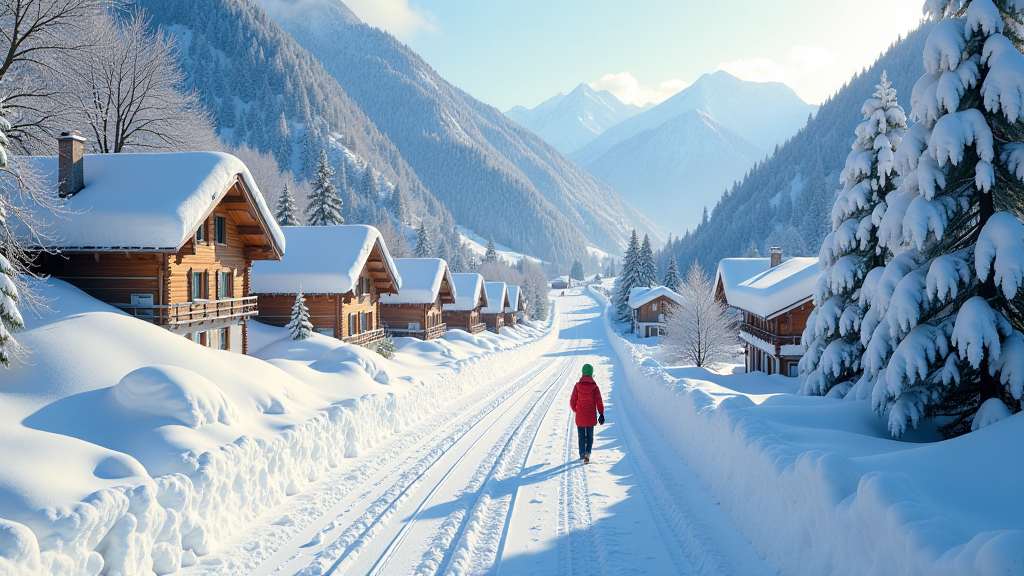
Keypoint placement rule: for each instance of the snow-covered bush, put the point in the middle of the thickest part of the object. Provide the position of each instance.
(300, 326)
(946, 311)
(386, 347)
(848, 254)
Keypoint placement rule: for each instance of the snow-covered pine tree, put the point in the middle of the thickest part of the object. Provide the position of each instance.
(399, 205)
(491, 255)
(424, 247)
(286, 208)
(672, 279)
(283, 143)
(300, 326)
(648, 266)
(576, 271)
(369, 187)
(629, 278)
(10, 316)
(833, 347)
(325, 205)
(752, 251)
(948, 307)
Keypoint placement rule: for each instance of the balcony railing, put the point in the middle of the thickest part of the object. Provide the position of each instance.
(423, 334)
(368, 337)
(477, 328)
(767, 336)
(195, 312)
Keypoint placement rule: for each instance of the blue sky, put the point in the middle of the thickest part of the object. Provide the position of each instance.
(508, 52)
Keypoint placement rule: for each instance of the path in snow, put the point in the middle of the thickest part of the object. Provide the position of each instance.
(491, 485)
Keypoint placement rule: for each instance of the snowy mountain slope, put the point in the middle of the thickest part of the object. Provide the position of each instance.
(786, 200)
(674, 170)
(571, 121)
(494, 175)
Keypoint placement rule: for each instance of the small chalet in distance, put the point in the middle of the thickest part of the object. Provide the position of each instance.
(417, 310)
(560, 283)
(342, 270)
(169, 238)
(464, 314)
(775, 302)
(514, 310)
(497, 300)
(650, 307)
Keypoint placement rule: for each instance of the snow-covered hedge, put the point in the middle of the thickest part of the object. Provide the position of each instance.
(809, 512)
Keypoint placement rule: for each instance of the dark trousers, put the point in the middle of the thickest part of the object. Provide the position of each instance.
(586, 439)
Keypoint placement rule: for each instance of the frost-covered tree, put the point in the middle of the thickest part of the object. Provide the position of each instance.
(672, 279)
(491, 255)
(424, 247)
(647, 266)
(850, 253)
(945, 314)
(325, 205)
(752, 251)
(286, 208)
(300, 327)
(386, 347)
(10, 315)
(399, 205)
(700, 331)
(629, 278)
(576, 271)
(283, 142)
(368, 187)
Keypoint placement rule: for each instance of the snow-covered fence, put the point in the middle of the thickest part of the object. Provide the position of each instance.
(163, 526)
(807, 512)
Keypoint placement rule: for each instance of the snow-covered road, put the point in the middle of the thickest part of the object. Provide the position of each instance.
(491, 485)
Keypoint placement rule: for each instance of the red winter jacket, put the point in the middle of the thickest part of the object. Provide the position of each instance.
(586, 402)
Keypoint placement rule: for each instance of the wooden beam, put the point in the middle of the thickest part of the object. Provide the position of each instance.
(234, 200)
(250, 230)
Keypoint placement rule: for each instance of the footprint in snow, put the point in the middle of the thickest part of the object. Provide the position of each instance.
(316, 540)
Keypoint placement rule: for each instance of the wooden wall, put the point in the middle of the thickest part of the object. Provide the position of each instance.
(462, 319)
(111, 277)
(649, 312)
(494, 322)
(326, 311)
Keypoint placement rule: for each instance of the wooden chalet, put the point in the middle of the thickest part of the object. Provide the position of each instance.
(774, 305)
(560, 283)
(497, 300)
(168, 238)
(650, 308)
(417, 309)
(514, 310)
(464, 314)
(342, 271)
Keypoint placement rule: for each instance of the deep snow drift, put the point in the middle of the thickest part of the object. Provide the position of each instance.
(129, 449)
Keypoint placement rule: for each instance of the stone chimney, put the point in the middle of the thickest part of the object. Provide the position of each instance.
(70, 170)
(776, 253)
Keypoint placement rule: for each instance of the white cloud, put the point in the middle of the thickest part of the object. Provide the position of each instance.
(629, 90)
(804, 71)
(399, 17)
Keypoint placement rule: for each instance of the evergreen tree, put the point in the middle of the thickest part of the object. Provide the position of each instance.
(10, 316)
(945, 315)
(227, 118)
(672, 279)
(325, 205)
(300, 326)
(491, 255)
(424, 248)
(576, 271)
(399, 205)
(282, 148)
(648, 268)
(704, 217)
(752, 251)
(369, 187)
(286, 208)
(628, 279)
(850, 252)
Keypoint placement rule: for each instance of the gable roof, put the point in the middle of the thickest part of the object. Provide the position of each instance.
(640, 295)
(777, 289)
(497, 298)
(326, 260)
(423, 281)
(733, 271)
(470, 291)
(514, 299)
(151, 202)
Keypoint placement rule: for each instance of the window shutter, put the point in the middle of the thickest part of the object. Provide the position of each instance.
(191, 291)
(216, 283)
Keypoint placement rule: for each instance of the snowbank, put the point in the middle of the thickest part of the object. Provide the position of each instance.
(129, 450)
(818, 487)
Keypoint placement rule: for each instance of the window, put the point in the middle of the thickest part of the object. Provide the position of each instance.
(794, 369)
(201, 233)
(414, 325)
(222, 338)
(362, 322)
(326, 331)
(220, 230)
(224, 285)
(351, 324)
(364, 285)
(197, 286)
(654, 306)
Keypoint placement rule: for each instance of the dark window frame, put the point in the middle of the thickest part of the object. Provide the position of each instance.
(220, 230)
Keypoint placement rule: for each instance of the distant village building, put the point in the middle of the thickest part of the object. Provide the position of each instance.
(514, 310)
(497, 300)
(465, 313)
(650, 308)
(417, 309)
(560, 283)
(775, 302)
(342, 271)
(168, 238)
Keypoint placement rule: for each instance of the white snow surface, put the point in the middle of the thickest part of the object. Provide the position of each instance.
(470, 289)
(497, 297)
(640, 295)
(734, 271)
(777, 288)
(514, 299)
(422, 279)
(323, 260)
(145, 201)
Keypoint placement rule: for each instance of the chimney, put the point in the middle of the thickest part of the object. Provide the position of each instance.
(70, 171)
(776, 253)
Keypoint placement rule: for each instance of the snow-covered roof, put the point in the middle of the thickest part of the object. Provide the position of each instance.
(322, 260)
(640, 295)
(146, 201)
(777, 289)
(497, 298)
(470, 290)
(733, 271)
(514, 299)
(423, 280)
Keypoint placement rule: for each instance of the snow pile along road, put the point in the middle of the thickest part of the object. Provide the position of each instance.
(817, 485)
(128, 449)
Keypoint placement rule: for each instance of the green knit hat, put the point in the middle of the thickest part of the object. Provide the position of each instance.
(588, 370)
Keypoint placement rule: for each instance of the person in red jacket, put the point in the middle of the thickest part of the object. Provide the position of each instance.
(585, 402)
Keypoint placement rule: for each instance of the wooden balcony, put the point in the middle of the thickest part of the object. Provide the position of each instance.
(477, 328)
(767, 336)
(196, 312)
(367, 338)
(427, 334)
